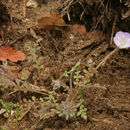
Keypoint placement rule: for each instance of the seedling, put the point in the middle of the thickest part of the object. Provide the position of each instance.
(33, 57)
(6, 106)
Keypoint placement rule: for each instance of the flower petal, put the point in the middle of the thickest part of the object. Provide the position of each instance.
(122, 39)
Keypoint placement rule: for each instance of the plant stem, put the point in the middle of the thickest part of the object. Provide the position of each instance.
(105, 59)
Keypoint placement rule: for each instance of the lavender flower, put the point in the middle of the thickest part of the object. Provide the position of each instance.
(122, 39)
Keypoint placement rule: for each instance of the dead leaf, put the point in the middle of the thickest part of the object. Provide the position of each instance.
(23, 112)
(2, 111)
(14, 68)
(7, 52)
(50, 22)
(77, 29)
(96, 34)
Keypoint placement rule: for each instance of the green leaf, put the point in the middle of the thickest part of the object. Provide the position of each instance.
(66, 74)
(25, 84)
(38, 48)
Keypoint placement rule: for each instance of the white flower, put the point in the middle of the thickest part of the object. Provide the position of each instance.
(122, 39)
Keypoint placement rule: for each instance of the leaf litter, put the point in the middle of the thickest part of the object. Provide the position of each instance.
(35, 76)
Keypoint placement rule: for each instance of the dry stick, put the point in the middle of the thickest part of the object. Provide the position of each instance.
(18, 39)
(71, 82)
(24, 8)
(113, 28)
(105, 59)
(69, 3)
(32, 89)
(43, 116)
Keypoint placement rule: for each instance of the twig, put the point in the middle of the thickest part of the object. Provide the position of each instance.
(66, 8)
(31, 88)
(24, 8)
(113, 27)
(18, 39)
(94, 27)
(44, 116)
(71, 82)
